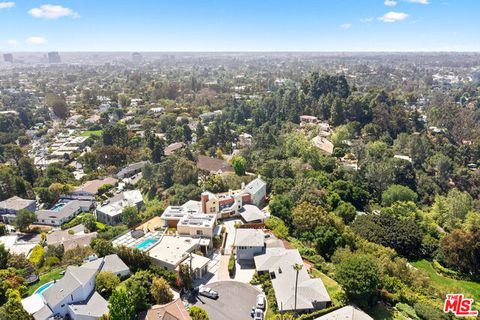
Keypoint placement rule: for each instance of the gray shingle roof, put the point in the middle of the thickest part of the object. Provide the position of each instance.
(249, 238)
(255, 185)
(95, 306)
(74, 278)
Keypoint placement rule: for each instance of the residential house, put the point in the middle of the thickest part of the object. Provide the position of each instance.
(90, 188)
(257, 188)
(131, 169)
(197, 225)
(173, 214)
(74, 295)
(70, 238)
(248, 243)
(10, 207)
(279, 263)
(346, 313)
(213, 165)
(63, 211)
(110, 212)
(172, 251)
(244, 140)
(231, 203)
(322, 143)
(174, 310)
(171, 148)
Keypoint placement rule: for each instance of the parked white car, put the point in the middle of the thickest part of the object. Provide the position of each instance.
(258, 315)
(261, 302)
(207, 292)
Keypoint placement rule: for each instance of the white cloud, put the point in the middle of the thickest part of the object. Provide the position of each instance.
(36, 40)
(390, 3)
(50, 12)
(345, 26)
(393, 16)
(369, 19)
(13, 42)
(7, 4)
(419, 1)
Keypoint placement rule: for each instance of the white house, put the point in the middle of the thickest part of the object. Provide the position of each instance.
(249, 243)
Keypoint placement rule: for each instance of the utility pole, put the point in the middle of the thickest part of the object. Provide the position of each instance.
(297, 267)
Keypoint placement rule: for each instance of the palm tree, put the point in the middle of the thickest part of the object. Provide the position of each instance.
(297, 267)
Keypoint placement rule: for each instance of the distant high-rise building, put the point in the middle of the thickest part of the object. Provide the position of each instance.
(8, 57)
(54, 57)
(136, 57)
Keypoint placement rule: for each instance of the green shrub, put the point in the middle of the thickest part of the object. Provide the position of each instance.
(445, 271)
(407, 311)
(36, 255)
(231, 266)
(426, 311)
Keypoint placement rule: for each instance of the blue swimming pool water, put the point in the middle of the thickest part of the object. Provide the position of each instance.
(146, 243)
(44, 287)
(57, 207)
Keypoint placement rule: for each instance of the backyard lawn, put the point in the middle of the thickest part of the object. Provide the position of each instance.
(469, 288)
(91, 132)
(44, 278)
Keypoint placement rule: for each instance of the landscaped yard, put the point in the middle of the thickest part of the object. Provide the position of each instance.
(44, 278)
(470, 288)
(91, 132)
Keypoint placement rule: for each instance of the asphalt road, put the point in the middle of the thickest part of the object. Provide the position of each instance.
(235, 300)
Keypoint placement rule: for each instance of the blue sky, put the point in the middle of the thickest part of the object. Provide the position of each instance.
(240, 25)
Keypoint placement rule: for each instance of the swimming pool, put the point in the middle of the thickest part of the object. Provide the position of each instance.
(44, 287)
(58, 206)
(146, 243)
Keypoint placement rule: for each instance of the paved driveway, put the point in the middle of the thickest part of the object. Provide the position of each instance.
(235, 300)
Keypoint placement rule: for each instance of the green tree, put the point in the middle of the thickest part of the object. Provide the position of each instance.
(13, 309)
(4, 256)
(185, 172)
(327, 239)
(359, 275)
(461, 251)
(185, 277)
(24, 219)
(130, 216)
(346, 211)
(57, 104)
(161, 291)
(396, 193)
(89, 221)
(102, 247)
(106, 282)
(121, 305)
(139, 291)
(239, 165)
(198, 313)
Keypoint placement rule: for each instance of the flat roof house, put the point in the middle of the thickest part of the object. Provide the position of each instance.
(10, 207)
(311, 292)
(173, 214)
(172, 251)
(249, 243)
(111, 211)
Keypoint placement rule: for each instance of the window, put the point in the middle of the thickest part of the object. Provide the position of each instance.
(199, 232)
